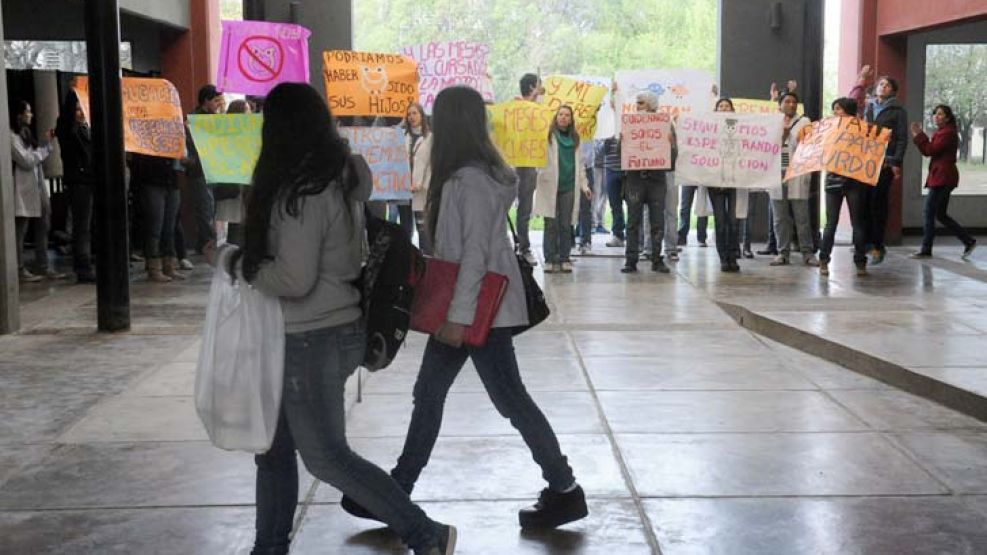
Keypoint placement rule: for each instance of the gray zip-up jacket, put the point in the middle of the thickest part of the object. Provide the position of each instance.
(472, 231)
(317, 256)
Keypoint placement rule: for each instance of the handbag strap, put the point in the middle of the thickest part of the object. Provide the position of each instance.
(517, 244)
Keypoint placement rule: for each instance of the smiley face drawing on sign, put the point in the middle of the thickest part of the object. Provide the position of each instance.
(373, 79)
(260, 58)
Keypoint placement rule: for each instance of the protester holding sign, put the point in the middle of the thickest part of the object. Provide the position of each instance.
(645, 187)
(793, 198)
(419, 140)
(885, 111)
(555, 194)
(531, 89)
(839, 187)
(943, 178)
(724, 201)
(75, 140)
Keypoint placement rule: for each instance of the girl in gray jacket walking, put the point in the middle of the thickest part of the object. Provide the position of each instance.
(468, 198)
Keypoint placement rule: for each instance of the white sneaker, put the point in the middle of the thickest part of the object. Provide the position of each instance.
(584, 250)
(26, 276)
(615, 242)
(673, 255)
(186, 264)
(566, 267)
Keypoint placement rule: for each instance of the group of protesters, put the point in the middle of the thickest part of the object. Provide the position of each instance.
(569, 191)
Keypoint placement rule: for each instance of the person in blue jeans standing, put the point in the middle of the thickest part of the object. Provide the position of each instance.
(302, 244)
(468, 199)
(614, 178)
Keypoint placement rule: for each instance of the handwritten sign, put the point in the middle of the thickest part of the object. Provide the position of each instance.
(842, 145)
(256, 55)
(646, 143)
(228, 145)
(606, 125)
(387, 154)
(584, 97)
(680, 91)
(520, 130)
(445, 64)
(724, 149)
(152, 116)
(754, 106)
(369, 84)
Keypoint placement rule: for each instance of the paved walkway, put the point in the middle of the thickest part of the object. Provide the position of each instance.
(689, 433)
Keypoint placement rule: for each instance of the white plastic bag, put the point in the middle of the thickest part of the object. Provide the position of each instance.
(241, 366)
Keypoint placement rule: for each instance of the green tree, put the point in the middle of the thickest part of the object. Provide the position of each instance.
(550, 36)
(955, 75)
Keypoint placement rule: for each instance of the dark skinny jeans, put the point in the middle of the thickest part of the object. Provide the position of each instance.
(615, 194)
(854, 193)
(937, 208)
(724, 217)
(496, 364)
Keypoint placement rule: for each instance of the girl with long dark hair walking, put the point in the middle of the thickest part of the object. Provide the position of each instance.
(468, 199)
(303, 243)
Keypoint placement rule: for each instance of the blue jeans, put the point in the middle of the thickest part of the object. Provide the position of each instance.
(160, 220)
(317, 364)
(685, 216)
(854, 194)
(615, 192)
(497, 366)
(527, 181)
(584, 227)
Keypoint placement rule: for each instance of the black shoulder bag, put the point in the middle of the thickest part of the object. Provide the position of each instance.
(534, 298)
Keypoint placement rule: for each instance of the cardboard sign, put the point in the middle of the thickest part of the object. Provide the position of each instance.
(228, 145)
(753, 106)
(445, 64)
(369, 84)
(520, 130)
(584, 97)
(646, 141)
(680, 91)
(386, 152)
(842, 145)
(152, 116)
(256, 55)
(725, 149)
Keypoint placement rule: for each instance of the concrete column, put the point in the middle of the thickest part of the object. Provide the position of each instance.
(331, 23)
(10, 319)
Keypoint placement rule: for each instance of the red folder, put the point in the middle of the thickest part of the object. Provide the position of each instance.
(433, 295)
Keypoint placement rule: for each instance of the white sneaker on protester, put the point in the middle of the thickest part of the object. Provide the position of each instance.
(584, 250)
(615, 242)
(530, 259)
(186, 264)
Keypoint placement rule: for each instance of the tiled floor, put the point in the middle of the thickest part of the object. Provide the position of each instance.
(689, 434)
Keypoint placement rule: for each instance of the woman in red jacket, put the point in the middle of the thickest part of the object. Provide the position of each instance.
(943, 178)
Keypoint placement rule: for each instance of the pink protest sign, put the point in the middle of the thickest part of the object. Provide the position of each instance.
(645, 143)
(257, 55)
(444, 64)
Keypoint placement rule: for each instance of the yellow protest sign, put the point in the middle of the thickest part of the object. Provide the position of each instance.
(228, 145)
(520, 130)
(369, 83)
(842, 145)
(152, 115)
(584, 97)
(753, 106)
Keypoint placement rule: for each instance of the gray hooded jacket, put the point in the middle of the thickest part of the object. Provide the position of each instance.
(472, 231)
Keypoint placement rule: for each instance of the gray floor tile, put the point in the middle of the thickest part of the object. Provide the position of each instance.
(639, 373)
(494, 467)
(666, 344)
(958, 458)
(771, 464)
(190, 531)
(132, 475)
(912, 525)
(487, 528)
(725, 411)
(896, 410)
(131, 418)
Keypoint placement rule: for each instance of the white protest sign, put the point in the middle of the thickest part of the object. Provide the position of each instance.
(448, 63)
(679, 90)
(725, 149)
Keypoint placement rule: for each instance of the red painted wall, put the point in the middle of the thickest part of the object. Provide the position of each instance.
(900, 16)
(189, 60)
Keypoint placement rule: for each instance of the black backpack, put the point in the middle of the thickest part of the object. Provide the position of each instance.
(393, 267)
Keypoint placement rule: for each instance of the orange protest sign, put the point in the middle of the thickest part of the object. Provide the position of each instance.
(368, 83)
(842, 145)
(152, 116)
